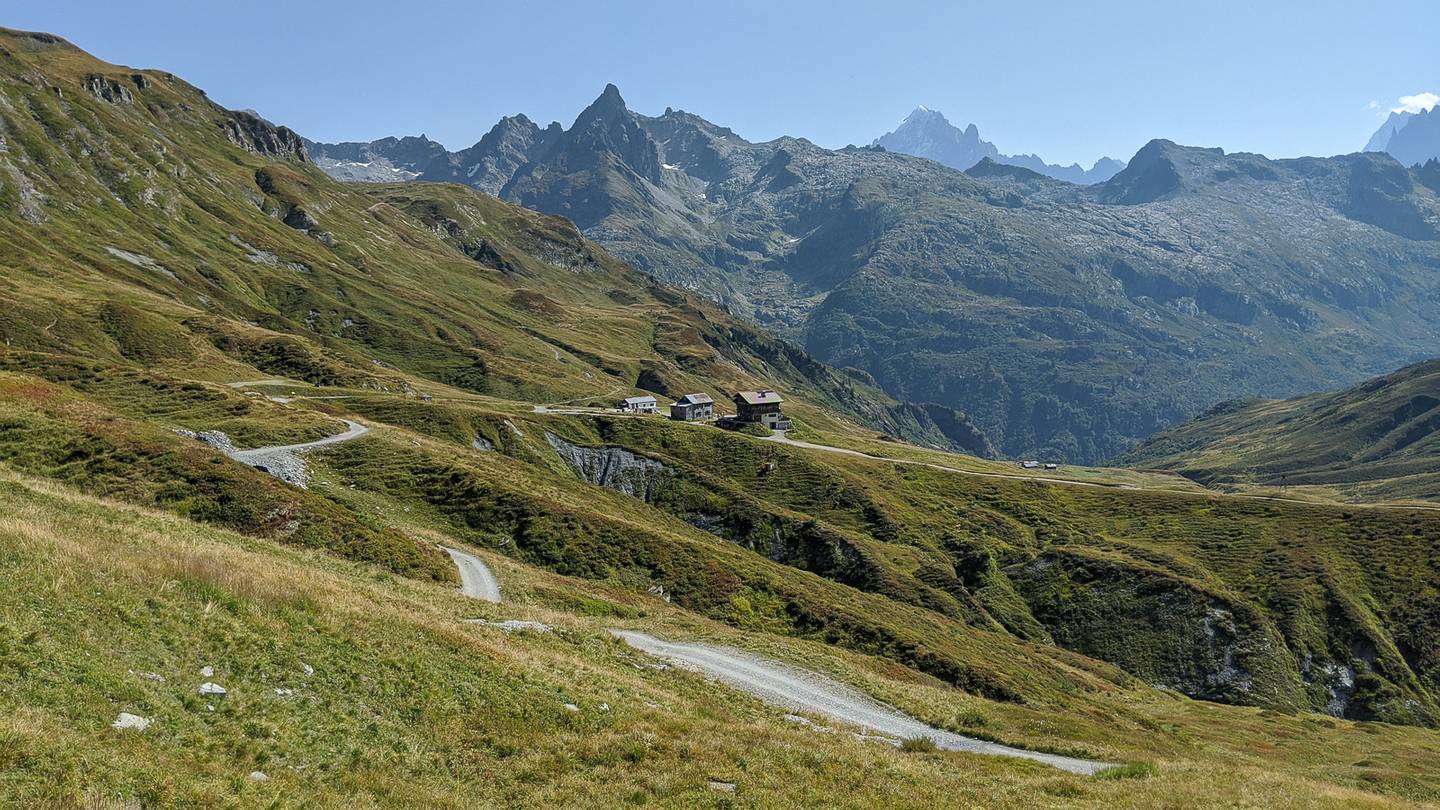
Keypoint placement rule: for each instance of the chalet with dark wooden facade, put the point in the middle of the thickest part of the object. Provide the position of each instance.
(760, 407)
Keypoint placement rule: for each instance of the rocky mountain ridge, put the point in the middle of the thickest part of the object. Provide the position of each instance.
(1068, 321)
(1394, 122)
(1415, 140)
(927, 133)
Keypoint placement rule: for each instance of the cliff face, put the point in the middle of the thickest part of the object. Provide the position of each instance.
(612, 467)
(254, 134)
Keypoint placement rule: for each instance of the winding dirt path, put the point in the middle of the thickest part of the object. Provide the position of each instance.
(283, 460)
(793, 689)
(780, 437)
(477, 581)
(353, 430)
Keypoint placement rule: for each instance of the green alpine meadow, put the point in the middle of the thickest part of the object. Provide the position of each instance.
(635, 463)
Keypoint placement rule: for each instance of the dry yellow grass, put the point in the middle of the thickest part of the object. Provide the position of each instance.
(97, 589)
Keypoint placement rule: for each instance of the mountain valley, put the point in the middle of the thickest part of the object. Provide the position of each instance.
(318, 489)
(1066, 321)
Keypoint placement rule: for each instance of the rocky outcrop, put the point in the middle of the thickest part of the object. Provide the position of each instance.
(279, 462)
(1418, 140)
(611, 467)
(1151, 175)
(510, 144)
(1382, 193)
(113, 90)
(1161, 628)
(254, 134)
(387, 160)
(1178, 633)
(1334, 679)
(215, 438)
(300, 219)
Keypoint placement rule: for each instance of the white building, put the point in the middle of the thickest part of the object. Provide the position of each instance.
(645, 404)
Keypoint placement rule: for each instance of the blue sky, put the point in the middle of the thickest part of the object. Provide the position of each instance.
(1070, 81)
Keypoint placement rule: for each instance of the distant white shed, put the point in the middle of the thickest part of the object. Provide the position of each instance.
(645, 404)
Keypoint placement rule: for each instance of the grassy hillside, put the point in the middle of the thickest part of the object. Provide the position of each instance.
(176, 267)
(405, 704)
(1377, 441)
(146, 225)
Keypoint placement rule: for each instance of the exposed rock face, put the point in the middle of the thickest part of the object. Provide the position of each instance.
(284, 464)
(115, 91)
(1336, 679)
(1175, 633)
(300, 219)
(141, 260)
(510, 144)
(1429, 175)
(1393, 124)
(1151, 175)
(605, 138)
(254, 134)
(215, 438)
(29, 200)
(1382, 193)
(612, 467)
(384, 161)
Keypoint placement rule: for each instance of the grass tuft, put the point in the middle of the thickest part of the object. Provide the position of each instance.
(918, 745)
(1133, 770)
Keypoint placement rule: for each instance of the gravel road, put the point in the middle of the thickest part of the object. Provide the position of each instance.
(353, 430)
(283, 461)
(271, 381)
(808, 692)
(476, 579)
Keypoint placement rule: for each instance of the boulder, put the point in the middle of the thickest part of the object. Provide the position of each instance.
(125, 721)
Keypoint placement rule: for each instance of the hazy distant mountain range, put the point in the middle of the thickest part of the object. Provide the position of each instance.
(1412, 138)
(1397, 120)
(926, 133)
